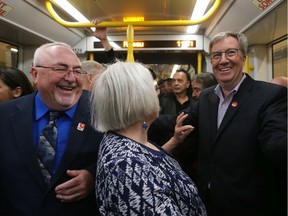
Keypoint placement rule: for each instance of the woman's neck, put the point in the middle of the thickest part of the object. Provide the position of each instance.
(138, 133)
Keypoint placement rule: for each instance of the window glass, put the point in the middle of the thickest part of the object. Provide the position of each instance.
(8, 55)
(280, 59)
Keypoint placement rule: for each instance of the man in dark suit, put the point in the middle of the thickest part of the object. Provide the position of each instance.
(57, 75)
(242, 131)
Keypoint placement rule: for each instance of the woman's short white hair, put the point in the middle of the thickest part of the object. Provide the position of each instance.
(123, 95)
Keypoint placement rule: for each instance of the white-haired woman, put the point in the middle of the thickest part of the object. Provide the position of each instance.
(135, 176)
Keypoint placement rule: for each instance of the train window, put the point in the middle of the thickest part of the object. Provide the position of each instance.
(8, 55)
(280, 58)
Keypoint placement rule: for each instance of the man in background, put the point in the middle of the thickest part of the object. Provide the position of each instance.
(90, 70)
(200, 82)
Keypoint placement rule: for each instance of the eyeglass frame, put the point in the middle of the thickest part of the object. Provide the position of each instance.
(64, 70)
(226, 52)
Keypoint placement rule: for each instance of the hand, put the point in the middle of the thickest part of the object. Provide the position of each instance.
(77, 188)
(182, 131)
(100, 33)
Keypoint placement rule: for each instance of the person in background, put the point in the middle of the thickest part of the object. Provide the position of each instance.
(167, 86)
(160, 88)
(13, 84)
(202, 81)
(180, 98)
(186, 153)
(90, 69)
(242, 131)
(28, 184)
(101, 34)
(130, 167)
(281, 80)
(173, 103)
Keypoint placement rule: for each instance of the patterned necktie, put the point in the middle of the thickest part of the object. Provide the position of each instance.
(47, 145)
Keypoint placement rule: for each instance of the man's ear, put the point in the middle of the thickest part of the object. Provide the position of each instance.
(34, 74)
(244, 59)
(89, 78)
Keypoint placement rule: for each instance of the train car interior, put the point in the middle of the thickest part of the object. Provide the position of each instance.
(26, 24)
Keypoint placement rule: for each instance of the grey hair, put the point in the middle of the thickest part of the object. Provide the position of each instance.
(123, 95)
(92, 67)
(207, 79)
(242, 39)
(40, 51)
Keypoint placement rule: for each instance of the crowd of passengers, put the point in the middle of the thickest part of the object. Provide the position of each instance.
(98, 139)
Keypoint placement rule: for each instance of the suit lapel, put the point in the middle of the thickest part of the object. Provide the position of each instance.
(24, 137)
(214, 100)
(238, 100)
(78, 132)
(211, 117)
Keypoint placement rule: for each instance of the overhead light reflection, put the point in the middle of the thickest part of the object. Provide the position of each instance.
(198, 12)
(14, 50)
(70, 9)
(175, 67)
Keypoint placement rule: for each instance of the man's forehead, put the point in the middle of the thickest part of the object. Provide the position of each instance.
(179, 75)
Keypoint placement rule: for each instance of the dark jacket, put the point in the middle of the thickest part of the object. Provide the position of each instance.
(186, 152)
(170, 105)
(240, 159)
(242, 166)
(22, 189)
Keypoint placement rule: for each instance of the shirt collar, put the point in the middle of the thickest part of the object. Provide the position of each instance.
(218, 90)
(41, 109)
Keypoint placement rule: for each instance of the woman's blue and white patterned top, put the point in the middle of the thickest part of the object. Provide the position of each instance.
(133, 179)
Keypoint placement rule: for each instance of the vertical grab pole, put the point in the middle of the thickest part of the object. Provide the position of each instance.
(246, 66)
(199, 58)
(130, 40)
(91, 56)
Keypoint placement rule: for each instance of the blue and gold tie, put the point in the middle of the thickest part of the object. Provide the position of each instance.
(47, 146)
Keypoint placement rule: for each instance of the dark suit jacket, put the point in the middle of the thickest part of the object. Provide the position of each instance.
(240, 159)
(22, 189)
(245, 160)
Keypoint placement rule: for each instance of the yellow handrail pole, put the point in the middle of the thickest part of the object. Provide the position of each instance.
(246, 66)
(130, 40)
(91, 56)
(199, 58)
(138, 23)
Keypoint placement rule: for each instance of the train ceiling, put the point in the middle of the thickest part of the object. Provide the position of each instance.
(29, 23)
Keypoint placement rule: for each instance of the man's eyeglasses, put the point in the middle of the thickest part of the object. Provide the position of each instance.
(64, 70)
(229, 53)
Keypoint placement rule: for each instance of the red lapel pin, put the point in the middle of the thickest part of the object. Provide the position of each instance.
(234, 104)
(81, 126)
